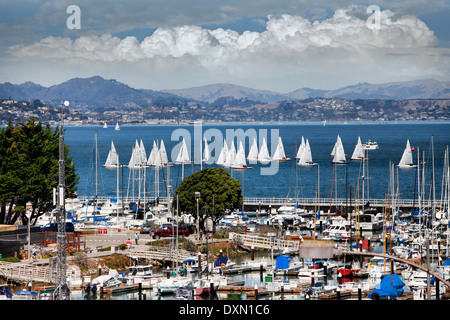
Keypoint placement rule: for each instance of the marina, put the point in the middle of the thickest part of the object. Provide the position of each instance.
(332, 230)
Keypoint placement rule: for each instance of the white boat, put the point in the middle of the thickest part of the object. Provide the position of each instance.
(229, 160)
(183, 155)
(170, 285)
(163, 154)
(239, 160)
(112, 161)
(206, 154)
(136, 159)
(338, 152)
(370, 145)
(358, 153)
(279, 154)
(253, 152)
(142, 273)
(117, 126)
(263, 155)
(223, 154)
(378, 267)
(301, 149)
(306, 157)
(368, 221)
(407, 160)
(105, 126)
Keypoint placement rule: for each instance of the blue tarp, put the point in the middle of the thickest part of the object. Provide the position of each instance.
(283, 262)
(446, 262)
(389, 286)
(220, 260)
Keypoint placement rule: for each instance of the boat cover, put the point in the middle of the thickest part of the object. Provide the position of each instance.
(283, 262)
(220, 261)
(389, 286)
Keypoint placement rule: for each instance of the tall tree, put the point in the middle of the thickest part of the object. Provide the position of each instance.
(219, 192)
(29, 170)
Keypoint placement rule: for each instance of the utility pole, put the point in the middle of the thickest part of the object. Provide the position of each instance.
(61, 292)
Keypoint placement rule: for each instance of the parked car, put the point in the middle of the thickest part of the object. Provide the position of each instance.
(169, 231)
(53, 226)
(146, 228)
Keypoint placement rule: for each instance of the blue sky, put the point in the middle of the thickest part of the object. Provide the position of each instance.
(274, 45)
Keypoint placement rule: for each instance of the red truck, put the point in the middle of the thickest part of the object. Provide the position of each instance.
(169, 231)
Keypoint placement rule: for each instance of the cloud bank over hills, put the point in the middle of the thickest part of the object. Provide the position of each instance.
(290, 50)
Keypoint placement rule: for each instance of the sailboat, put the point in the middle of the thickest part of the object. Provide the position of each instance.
(230, 155)
(105, 125)
(358, 153)
(206, 153)
(407, 161)
(112, 161)
(279, 154)
(117, 126)
(306, 156)
(183, 157)
(223, 154)
(239, 160)
(253, 152)
(163, 155)
(338, 152)
(263, 155)
(300, 149)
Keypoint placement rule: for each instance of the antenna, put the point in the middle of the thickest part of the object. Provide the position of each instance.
(61, 292)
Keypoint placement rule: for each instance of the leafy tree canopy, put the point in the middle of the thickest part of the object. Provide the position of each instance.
(29, 170)
(218, 192)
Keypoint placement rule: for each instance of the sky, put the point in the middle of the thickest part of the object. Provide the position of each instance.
(279, 45)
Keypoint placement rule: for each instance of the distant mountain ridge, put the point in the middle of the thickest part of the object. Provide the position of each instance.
(89, 92)
(417, 89)
(98, 92)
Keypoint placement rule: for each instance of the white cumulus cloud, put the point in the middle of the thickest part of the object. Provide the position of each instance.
(289, 45)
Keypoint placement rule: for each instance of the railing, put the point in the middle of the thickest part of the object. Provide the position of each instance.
(264, 242)
(159, 253)
(24, 272)
(322, 202)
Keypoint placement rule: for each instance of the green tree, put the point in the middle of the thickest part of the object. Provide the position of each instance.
(219, 192)
(29, 170)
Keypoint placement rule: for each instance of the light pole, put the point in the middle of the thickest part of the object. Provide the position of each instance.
(29, 236)
(197, 197)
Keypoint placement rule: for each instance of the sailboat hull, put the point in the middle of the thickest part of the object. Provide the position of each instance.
(241, 168)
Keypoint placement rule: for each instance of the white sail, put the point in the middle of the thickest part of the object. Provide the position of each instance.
(113, 157)
(183, 156)
(230, 155)
(407, 160)
(206, 153)
(339, 153)
(253, 152)
(105, 125)
(338, 142)
(223, 154)
(300, 149)
(158, 161)
(134, 159)
(142, 154)
(163, 154)
(263, 154)
(151, 157)
(358, 153)
(239, 160)
(117, 126)
(306, 156)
